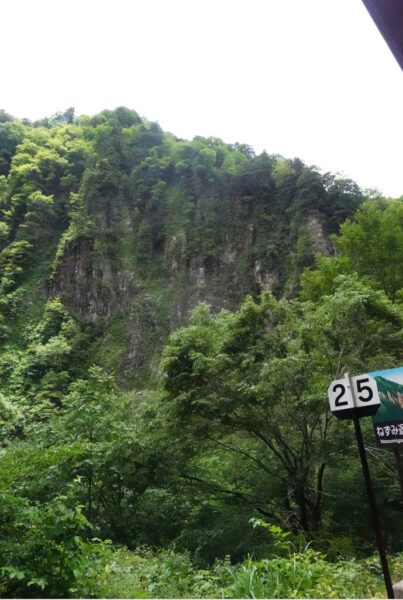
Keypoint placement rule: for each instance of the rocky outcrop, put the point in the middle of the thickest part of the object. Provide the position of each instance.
(266, 280)
(320, 241)
(91, 287)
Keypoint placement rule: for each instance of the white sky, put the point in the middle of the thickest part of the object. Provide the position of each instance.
(307, 78)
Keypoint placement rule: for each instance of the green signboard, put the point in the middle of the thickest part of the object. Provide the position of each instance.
(388, 420)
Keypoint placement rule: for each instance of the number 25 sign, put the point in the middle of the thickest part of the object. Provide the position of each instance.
(353, 396)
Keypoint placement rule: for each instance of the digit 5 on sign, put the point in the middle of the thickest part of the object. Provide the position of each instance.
(366, 394)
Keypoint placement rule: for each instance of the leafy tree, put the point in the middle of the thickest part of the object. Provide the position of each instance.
(253, 385)
(63, 117)
(373, 244)
(93, 420)
(13, 259)
(343, 199)
(322, 280)
(69, 115)
(11, 420)
(11, 134)
(54, 316)
(39, 218)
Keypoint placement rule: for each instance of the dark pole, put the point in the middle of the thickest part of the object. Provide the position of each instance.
(375, 516)
(399, 466)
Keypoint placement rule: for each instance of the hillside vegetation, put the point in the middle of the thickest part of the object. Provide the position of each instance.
(171, 315)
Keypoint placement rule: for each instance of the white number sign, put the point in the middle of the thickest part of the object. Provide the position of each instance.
(353, 396)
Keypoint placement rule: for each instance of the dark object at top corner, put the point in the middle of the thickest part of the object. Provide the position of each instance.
(388, 17)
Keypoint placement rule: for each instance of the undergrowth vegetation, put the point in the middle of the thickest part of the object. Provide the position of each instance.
(95, 569)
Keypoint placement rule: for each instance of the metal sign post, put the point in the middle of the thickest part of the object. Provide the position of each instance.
(352, 398)
(380, 540)
(374, 510)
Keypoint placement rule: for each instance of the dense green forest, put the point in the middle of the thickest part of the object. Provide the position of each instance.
(172, 313)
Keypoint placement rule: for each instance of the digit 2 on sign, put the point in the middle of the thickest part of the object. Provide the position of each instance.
(340, 399)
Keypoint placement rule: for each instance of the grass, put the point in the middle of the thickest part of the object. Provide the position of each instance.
(306, 574)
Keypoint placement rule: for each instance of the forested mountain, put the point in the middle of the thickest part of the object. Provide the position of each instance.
(171, 315)
(130, 227)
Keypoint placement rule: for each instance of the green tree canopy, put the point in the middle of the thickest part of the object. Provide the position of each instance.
(253, 385)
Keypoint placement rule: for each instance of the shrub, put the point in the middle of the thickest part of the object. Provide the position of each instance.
(45, 552)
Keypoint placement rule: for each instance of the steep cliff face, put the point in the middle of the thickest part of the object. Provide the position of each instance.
(144, 226)
(96, 286)
(90, 285)
(150, 305)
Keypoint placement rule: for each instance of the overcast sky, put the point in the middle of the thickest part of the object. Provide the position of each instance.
(306, 78)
